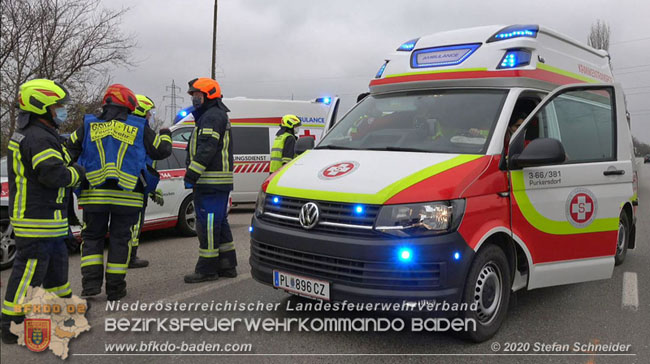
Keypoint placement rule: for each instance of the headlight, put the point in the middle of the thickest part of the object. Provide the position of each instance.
(421, 218)
(259, 205)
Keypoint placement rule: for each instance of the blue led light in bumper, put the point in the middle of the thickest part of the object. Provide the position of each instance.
(359, 209)
(250, 229)
(276, 200)
(515, 58)
(456, 256)
(405, 255)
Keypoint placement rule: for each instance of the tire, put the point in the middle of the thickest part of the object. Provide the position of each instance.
(489, 283)
(623, 239)
(7, 245)
(187, 217)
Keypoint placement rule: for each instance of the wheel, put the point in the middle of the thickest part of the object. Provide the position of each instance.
(187, 217)
(623, 238)
(7, 245)
(488, 287)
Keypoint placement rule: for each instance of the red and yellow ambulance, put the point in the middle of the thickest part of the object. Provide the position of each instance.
(484, 161)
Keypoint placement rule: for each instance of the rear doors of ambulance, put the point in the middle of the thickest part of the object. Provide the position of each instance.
(567, 215)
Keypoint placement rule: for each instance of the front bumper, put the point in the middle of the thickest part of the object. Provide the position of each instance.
(363, 269)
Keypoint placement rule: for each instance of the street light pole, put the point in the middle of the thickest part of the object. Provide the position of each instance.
(214, 41)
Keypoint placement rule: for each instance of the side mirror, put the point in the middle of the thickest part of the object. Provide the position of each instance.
(303, 144)
(540, 151)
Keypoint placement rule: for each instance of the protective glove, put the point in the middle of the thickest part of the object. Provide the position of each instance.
(71, 242)
(157, 197)
(190, 177)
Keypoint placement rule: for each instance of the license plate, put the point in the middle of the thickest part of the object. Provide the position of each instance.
(301, 285)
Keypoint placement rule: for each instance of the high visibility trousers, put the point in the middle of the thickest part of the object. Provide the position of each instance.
(37, 262)
(216, 246)
(136, 242)
(123, 230)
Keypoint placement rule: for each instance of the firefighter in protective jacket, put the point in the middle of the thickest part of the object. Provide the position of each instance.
(283, 149)
(41, 175)
(210, 173)
(113, 147)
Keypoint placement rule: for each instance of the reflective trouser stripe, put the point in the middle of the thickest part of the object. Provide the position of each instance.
(116, 268)
(226, 247)
(61, 291)
(209, 253)
(95, 259)
(11, 309)
(211, 231)
(135, 234)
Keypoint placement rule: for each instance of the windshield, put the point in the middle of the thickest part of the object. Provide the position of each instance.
(444, 121)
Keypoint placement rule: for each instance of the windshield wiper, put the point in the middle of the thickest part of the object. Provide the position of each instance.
(331, 146)
(402, 149)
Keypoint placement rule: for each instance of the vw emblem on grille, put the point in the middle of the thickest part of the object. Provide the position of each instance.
(308, 215)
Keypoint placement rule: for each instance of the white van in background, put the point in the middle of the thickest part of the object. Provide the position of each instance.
(254, 124)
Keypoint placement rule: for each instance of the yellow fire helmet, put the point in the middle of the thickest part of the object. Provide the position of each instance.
(36, 96)
(144, 104)
(290, 121)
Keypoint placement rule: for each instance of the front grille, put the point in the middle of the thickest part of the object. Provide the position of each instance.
(335, 217)
(367, 274)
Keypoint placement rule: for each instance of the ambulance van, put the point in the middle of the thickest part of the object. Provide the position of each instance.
(429, 190)
(254, 125)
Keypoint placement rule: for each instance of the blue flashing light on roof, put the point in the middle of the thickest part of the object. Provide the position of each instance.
(381, 69)
(324, 100)
(515, 31)
(183, 113)
(408, 45)
(515, 58)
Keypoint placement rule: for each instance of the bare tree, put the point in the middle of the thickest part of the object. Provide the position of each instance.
(599, 35)
(75, 42)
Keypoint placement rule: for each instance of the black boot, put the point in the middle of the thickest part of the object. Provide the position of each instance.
(228, 273)
(136, 262)
(116, 296)
(91, 291)
(8, 338)
(199, 277)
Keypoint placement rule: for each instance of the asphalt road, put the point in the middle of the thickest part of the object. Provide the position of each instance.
(591, 312)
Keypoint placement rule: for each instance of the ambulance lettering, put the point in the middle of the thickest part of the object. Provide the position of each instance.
(581, 207)
(338, 170)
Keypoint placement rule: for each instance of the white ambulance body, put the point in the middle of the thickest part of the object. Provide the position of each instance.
(254, 125)
(426, 191)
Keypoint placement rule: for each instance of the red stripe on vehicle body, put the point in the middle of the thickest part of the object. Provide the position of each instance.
(537, 74)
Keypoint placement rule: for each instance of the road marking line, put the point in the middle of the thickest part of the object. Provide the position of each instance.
(630, 299)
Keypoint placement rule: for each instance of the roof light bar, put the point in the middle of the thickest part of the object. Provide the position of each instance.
(408, 45)
(515, 31)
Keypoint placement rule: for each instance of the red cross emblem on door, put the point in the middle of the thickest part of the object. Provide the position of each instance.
(582, 208)
(308, 134)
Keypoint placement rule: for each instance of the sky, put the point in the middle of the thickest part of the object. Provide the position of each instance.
(307, 49)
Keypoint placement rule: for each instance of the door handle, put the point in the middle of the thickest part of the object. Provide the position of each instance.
(613, 172)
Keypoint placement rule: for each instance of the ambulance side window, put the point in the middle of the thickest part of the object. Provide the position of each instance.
(584, 121)
(250, 140)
